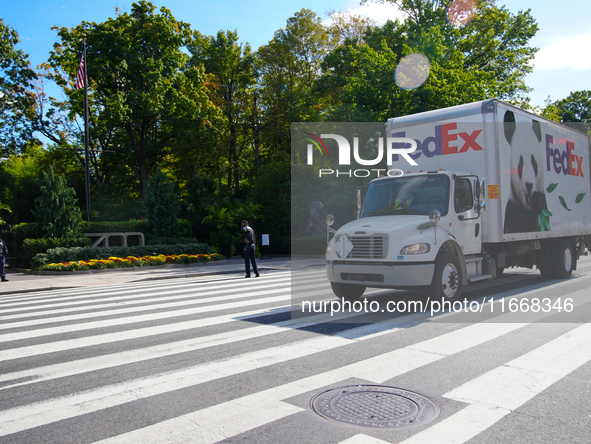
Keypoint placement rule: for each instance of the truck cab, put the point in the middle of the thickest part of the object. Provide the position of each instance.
(418, 231)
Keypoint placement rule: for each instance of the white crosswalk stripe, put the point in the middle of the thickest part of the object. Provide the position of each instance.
(82, 356)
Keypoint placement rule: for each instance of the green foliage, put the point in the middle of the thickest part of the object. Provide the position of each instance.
(17, 100)
(183, 229)
(144, 98)
(576, 108)
(172, 240)
(26, 230)
(488, 57)
(32, 247)
(232, 66)
(273, 193)
(114, 227)
(56, 255)
(222, 219)
(55, 209)
(289, 65)
(162, 206)
(19, 183)
(4, 207)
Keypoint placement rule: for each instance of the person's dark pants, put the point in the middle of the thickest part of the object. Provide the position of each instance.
(2, 262)
(248, 258)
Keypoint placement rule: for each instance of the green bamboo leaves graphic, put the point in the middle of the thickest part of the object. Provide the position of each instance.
(561, 199)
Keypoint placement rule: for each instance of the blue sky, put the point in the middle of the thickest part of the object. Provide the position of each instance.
(563, 63)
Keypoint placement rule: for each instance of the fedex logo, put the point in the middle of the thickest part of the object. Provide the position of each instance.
(445, 141)
(565, 161)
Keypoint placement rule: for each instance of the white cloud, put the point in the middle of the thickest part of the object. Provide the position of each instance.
(571, 52)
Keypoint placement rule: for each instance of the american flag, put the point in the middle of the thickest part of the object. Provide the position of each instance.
(80, 79)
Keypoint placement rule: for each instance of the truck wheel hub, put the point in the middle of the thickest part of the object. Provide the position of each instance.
(450, 281)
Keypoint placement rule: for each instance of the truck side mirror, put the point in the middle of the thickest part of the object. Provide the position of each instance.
(435, 217)
(359, 199)
(329, 223)
(479, 196)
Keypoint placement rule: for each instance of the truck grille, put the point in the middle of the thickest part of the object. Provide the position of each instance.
(369, 247)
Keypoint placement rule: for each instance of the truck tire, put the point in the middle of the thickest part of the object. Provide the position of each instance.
(447, 279)
(347, 291)
(562, 259)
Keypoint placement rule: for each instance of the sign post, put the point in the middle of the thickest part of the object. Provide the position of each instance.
(265, 240)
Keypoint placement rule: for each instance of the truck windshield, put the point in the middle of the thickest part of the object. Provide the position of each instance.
(407, 195)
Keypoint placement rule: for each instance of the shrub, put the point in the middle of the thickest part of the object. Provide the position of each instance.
(162, 205)
(56, 209)
(33, 247)
(115, 227)
(182, 231)
(18, 234)
(58, 255)
(172, 240)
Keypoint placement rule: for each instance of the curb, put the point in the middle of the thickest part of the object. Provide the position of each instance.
(200, 273)
(33, 290)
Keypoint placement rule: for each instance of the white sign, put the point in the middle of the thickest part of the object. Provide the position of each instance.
(265, 239)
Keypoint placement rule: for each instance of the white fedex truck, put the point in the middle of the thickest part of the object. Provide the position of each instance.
(493, 187)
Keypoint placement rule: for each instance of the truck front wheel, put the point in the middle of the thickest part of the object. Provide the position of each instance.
(447, 280)
(347, 291)
(562, 259)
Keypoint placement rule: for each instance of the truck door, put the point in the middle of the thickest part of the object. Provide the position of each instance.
(467, 225)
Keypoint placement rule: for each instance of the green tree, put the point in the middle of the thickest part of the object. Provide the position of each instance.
(17, 98)
(162, 205)
(487, 57)
(232, 65)
(55, 209)
(146, 100)
(19, 182)
(289, 65)
(4, 207)
(222, 218)
(576, 107)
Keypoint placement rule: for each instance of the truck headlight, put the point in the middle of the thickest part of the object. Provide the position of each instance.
(421, 248)
(328, 249)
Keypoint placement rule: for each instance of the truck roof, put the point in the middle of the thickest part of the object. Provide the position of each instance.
(465, 110)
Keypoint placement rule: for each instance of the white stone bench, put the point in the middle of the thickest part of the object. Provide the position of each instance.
(103, 238)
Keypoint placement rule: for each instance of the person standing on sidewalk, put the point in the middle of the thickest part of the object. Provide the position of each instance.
(249, 249)
(3, 254)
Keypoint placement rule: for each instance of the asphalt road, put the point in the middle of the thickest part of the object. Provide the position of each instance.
(218, 359)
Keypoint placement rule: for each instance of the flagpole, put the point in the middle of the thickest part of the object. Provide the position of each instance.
(86, 157)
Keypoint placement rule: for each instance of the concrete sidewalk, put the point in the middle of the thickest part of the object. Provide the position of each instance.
(20, 281)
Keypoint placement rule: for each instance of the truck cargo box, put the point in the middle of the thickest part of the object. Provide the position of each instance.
(536, 171)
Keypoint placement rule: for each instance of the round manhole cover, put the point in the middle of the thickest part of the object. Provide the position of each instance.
(375, 406)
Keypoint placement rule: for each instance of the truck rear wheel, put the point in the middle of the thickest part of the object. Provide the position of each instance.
(347, 291)
(562, 259)
(447, 279)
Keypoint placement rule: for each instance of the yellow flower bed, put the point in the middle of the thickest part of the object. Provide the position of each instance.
(131, 261)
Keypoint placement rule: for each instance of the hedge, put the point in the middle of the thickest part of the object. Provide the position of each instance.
(56, 255)
(33, 247)
(184, 229)
(172, 240)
